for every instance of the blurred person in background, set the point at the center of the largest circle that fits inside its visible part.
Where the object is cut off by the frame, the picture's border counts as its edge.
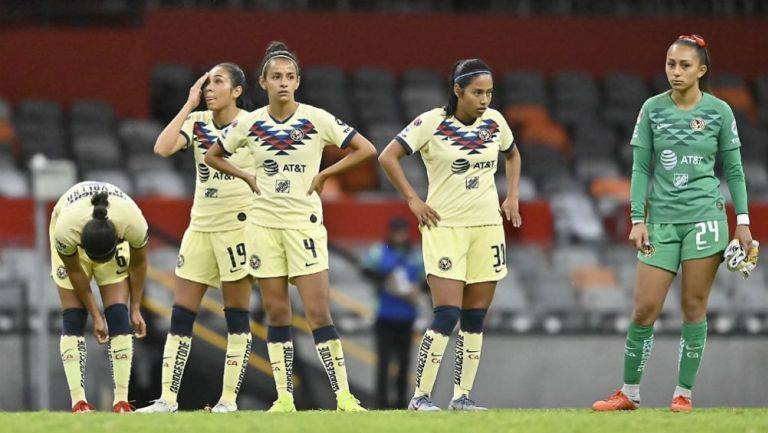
(461, 222)
(213, 251)
(289, 240)
(683, 222)
(98, 232)
(396, 269)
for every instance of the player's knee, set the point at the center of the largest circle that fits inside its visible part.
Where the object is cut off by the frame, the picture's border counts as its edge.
(73, 321)
(237, 320)
(318, 315)
(278, 313)
(182, 321)
(472, 320)
(694, 308)
(645, 314)
(445, 319)
(117, 319)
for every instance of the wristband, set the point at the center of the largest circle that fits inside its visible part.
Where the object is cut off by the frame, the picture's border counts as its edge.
(742, 219)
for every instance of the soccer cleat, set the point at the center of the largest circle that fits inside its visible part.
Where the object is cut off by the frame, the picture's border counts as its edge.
(346, 402)
(123, 407)
(82, 406)
(159, 406)
(283, 404)
(464, 403)
(422, 403)
(617, 401)
(681, 403)
(224, 407)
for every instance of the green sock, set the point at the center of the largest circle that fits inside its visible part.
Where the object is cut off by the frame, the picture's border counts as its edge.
(238, 353)
(72, 349)
(637, 349)
(121, 357)
(692, 344)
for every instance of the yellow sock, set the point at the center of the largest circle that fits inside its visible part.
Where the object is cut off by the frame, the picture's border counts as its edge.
(281, 358)
(332, 358)
(428, 364)
(468, 349)
(238, 352)
(175, 355)
(73, 354)
(121, 357)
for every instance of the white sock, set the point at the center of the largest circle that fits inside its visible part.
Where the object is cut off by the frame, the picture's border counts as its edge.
(631, 391)
(682, 391)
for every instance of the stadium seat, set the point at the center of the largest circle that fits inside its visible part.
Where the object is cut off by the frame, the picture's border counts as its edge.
(6, 112)
(169, 89)
(624, 95)
(138, 135)
(575, 98)
(37, 113)
(567, 259)
(91, 117)
(46, 139)
(97, 152)
(592, 140)
(575, 217)
(13, 183)
(524, 88)
(604, 300)
(590, 168)
(166, 183)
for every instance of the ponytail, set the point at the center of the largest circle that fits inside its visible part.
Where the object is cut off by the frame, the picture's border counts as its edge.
(99, 238)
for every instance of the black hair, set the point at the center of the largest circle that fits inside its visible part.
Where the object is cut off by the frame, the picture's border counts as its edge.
(700, 46)
(99, 238)
(278, 49)
(237, 78)
(463, 70)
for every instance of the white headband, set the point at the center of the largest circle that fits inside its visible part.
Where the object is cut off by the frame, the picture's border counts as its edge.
(280, 54)
(456, 80)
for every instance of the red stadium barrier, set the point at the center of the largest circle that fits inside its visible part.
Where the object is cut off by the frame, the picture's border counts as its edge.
(113, 64)
(347, 220)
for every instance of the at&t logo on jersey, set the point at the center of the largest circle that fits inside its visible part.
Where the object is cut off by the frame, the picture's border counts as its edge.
(460, 166)
(271, 167)
(668, 159)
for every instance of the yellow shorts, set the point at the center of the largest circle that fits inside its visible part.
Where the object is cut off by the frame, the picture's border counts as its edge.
(288, 252)
(211, 257)
(111, 272)
(470, 254)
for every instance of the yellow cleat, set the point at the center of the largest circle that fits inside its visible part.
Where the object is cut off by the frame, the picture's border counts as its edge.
(283, 404)
(346, 402)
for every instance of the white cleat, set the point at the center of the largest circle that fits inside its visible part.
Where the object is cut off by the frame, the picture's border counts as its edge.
(159, 406)
(422, 403)
(465, 403)
(223, 407)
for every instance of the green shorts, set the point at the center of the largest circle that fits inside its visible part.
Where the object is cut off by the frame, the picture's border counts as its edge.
(675, 243)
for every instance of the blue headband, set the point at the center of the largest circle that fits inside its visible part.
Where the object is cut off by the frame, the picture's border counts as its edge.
(456, 80)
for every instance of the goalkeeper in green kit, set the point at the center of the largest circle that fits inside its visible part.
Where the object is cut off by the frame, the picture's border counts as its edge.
(683, 222)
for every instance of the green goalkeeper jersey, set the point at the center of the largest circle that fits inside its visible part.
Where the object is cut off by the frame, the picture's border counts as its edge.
(683, 145)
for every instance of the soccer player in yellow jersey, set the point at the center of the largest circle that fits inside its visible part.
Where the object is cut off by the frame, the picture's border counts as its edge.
(213, 251)
(98, 232)
(289, 240)
(461, 222)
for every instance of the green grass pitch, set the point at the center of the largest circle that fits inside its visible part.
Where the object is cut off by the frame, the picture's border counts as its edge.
(495, 421)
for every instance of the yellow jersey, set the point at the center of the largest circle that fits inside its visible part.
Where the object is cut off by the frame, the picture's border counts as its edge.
(287, 157)
(74, 210)
(222, 202)
(461, 161)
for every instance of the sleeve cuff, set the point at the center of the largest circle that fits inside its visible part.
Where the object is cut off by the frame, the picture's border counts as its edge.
(508, 149)
(637, 221)
(186, 138)
(346, 141)
(405, 145)
(742, 219)
(227, 153)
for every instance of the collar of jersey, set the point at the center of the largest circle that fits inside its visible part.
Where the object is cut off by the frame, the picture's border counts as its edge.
(287, 118)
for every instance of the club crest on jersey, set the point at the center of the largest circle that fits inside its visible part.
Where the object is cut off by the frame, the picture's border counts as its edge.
(445, 264)
(61, 272)
(472, 141)
(282, 140)
(680, 180)
(255, 262)
(698, 124)
(204, 136)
